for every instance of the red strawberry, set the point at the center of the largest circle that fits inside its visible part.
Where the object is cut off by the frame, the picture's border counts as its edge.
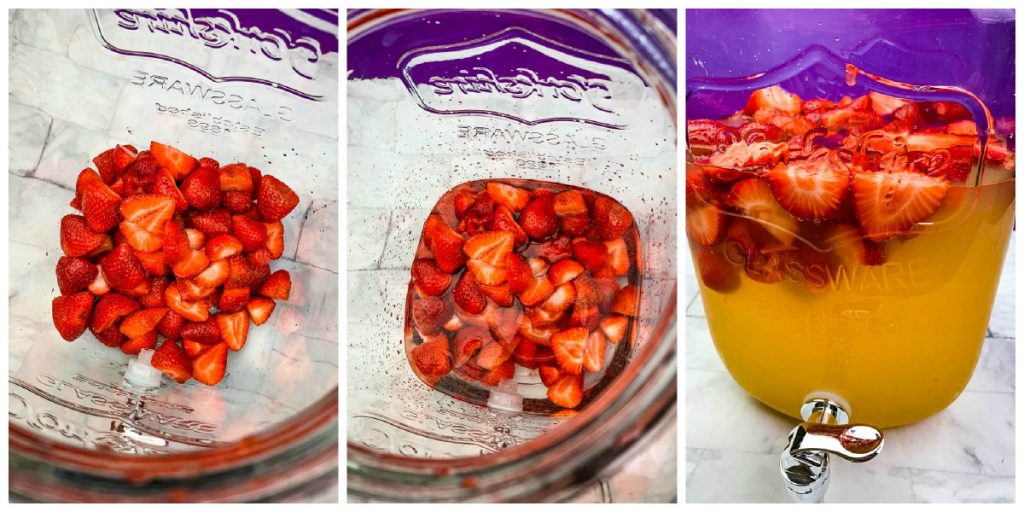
(191, 291)
(111, 337)
(252, 234)
(464, 199)
(549, 373)
(277, 286)
(511, 197)
(468, 342)
(478, 216)
(208, 367)
(753, 197)
(193, 348)
(810, 190)
(569, 203)
(104, 163)
(501, 294)
(121, 269)
(141, 321)
(236, 201)
(593, 255)
(193, 263)
(173, 160)
(773, 98)
(152, 262)
(212, 223)
(715, 271)
(275, 199)
(221, 246)
(163, 184)
(625, 301)
(98, 202)
(236, 178)
(611, 218)
(139, 239)
(561, 299)
(847, 242)
(260, 309)
(175, 243)
(110, 309)
(206, 332)
(468, 296)
(528, 354)
(889, 204)
(567, 391)
(71, 314)
(99, 285)
(197, 311)
(568, 346)
(259, 264)
(74, 274)
(504, 371)
(428, 277)
(555, 250)
(172, 360)
(538, 291)
(538, 219)
(135, 345)
(444, 243)
(563, 271)
(614, 328)
(275, 239)
(234, 329)
(705, 224)
(432, 358)
(149, 212)
(593, 354)
(239, 273)
(430, 314)
(504, 221)
(518, 273)
(575, 225)
(618, 256)
(233, 299)
(123, 156)
(485, 273)
(155, 296)
(586, 309)
(76, 239)
(201, 188)
(490, 247)
(492, 355)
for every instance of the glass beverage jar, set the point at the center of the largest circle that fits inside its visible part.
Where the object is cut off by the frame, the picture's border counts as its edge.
(441, 98)
(862, 244)
(254, 86)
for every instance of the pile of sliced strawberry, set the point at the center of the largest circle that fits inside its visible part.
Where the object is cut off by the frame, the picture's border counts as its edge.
(167, 245)
(794, 188)
(532, 274)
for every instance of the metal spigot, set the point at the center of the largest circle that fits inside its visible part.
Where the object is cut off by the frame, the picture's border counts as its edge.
(825, 431)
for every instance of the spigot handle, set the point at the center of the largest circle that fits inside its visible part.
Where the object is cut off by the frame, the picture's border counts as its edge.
(805, 462)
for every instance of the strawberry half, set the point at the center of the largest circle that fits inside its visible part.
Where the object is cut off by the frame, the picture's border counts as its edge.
(122, 269)
(850, 246)
(110, 309)
(504, 221)
(468, 295)
(444, 243)
(201, 188)
(566, 391)
(209, 366)
(705, 224)
(428, 277)
(538, 219)
(74, 274)
(98, 202)
(810, 189)
(490, 247)
(260, 309)
(513, 198)
(889, 204)
(172, 361)
(135, 345)
(221, 246)
(233, 329)
(236, 178)
(611, 218)
(76, 239)
(196, 311)
(277, 286)
(563, 271)
(753, 197)
(593, 353)
(149, 212)
(432, 358)
(141, 321)
(614, 327)
(275, 199)
(206, 332)
(430, 314)
(569, 346)
(71, 314)
(175, 161)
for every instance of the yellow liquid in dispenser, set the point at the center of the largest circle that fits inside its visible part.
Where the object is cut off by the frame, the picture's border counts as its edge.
(894, 343)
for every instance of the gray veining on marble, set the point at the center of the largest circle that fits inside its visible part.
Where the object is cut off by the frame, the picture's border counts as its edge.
(965, 453)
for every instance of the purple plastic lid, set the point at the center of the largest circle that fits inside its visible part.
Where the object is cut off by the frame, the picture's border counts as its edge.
(972, 49)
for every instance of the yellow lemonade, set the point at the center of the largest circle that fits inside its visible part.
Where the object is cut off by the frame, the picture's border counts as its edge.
(893, 341)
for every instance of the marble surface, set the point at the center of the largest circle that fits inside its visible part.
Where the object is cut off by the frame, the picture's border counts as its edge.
(965, 453)
(69, 100)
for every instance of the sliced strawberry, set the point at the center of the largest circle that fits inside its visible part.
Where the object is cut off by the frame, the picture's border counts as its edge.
(569, 203)
(142, 321)
(209, 366)
(810, 189)
(561, 299)
(618, 256)
(753, 197)
(111, 337)
(239, 274)
(237, 202)
(444, 243)
(163, 184)
(277, 286)
(252, 234)
(175, 243)
(221, 246)
(504, 221)
(206, 332)
(593, 255)
(71, 314)
(537, 334)
(715, 271)
(139, 239)
(890, 204)
(212, 223)
(98, 202)
(554, 250)
(175, 161)
(511, 197)
(538, 291)
(76, 239)
(468, 342)
(121, 269)
(99, 285)
(538, 219)
(851, 247)
(193, 348)
(611, 218)
(468, 296)
(233, 299)
(525, 353)
(568, 346)
(149, 212)
(201, 188)
(233, 328)
(197, 311)
(563, 271)
(191, 291)
(773, 98)
(518, 273)
(705, 224)
(193, 263)
(492, 355)
(259, 264)
(741, 154)
(152, 262)
(705, 135)
(614, 327)
(275, 199)
(172, 361)
(593, 353)
(110, 309)
(428, 277)
(135, 345)
(501, 294)
(567, 391)
(490, 247)
(236, 178)
(486, 274)
(432, 358)
(260, 309)
(123, 156)
(464, 199)
(74, 274)
(504, 371)
(275, 239)
(586, 309)
(154, 298)
(429, 314)
(625, 301)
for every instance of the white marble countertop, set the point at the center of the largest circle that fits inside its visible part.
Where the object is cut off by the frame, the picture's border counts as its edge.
(963, 454)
